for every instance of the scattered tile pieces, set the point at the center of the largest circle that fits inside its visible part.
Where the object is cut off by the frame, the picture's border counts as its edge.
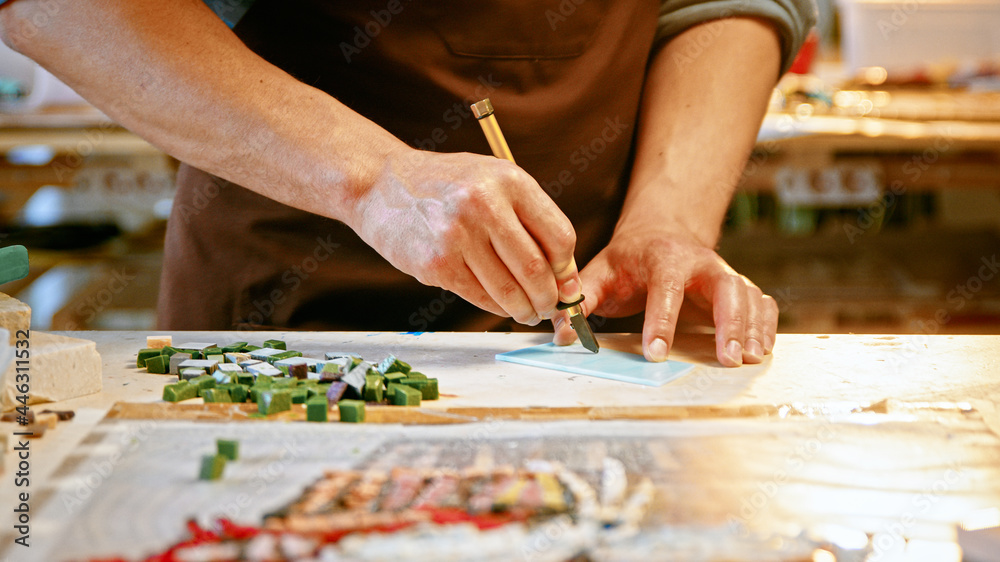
(228, 448)
(212, 467)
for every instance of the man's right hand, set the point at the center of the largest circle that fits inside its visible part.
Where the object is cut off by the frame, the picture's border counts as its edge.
(475, 225)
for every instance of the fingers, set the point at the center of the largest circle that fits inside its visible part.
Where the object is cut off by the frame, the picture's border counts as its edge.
(592, 277)
(502, 286)
(564, 332)
(469, 288)
(757, 325)
(729, 308)
(745, 320)
(528, 267)
(663, 304)
(554, 234)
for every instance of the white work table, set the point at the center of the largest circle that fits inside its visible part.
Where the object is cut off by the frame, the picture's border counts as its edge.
(858, 427)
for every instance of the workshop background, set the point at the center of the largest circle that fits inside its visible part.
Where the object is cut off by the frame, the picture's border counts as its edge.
(871, 203)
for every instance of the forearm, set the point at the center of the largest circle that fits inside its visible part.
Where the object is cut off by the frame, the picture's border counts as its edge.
(176, 75)
(705, 96)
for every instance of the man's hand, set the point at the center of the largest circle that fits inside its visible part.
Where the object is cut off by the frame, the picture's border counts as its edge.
(697, 123)
(658, 270)
(475, 225)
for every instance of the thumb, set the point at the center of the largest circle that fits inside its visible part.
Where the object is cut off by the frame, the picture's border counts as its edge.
(593, 293)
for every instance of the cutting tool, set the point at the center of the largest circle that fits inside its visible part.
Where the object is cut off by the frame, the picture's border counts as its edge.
(483, 110)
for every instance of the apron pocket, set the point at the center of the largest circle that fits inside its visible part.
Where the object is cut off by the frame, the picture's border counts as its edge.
(531, 29)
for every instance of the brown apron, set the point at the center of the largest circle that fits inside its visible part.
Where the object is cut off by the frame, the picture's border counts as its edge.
(564, 75)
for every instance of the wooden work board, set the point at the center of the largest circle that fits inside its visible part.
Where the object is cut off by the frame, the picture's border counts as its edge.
(834, 432)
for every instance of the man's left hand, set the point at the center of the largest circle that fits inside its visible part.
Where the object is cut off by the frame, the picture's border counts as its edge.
(658, 270)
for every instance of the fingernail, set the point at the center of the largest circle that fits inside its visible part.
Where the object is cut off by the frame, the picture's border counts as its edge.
(754, 349)
(734, 351)
(657, 350)
(570, 290)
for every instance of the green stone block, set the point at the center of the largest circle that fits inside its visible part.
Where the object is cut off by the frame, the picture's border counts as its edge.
(254, 392)
(249, 348)
(212, 351)
(374, 388)
(212, 467)
(215, 395)
(406, 396)
(317, 409)
(237, 392)
(140, 360)
(416, 375)
(179, 391)
(284, 382)
(159, 365)
(283, 355)
(275, 344)
(351, 411)
(273, 401)
(394, 377)
(299, 395)
(244, 378)
(428, 387)
(236, 347)
(228, 448)
(194, 353)
(392, 365)
(168, 350)
(216, 357)
(266, 380)
(204, 382)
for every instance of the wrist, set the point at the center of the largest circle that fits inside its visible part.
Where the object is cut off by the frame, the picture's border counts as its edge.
(656, 206)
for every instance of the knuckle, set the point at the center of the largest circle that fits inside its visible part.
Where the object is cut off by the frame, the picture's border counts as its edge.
(565, 237)
(509, 290)
(536, 268)
(736, 323)
(769, 304)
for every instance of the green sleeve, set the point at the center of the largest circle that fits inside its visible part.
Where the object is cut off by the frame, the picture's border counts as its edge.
(792, 19)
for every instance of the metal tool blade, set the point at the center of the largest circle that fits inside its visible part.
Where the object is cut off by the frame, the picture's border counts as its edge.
(584, 332)
(580, 324)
